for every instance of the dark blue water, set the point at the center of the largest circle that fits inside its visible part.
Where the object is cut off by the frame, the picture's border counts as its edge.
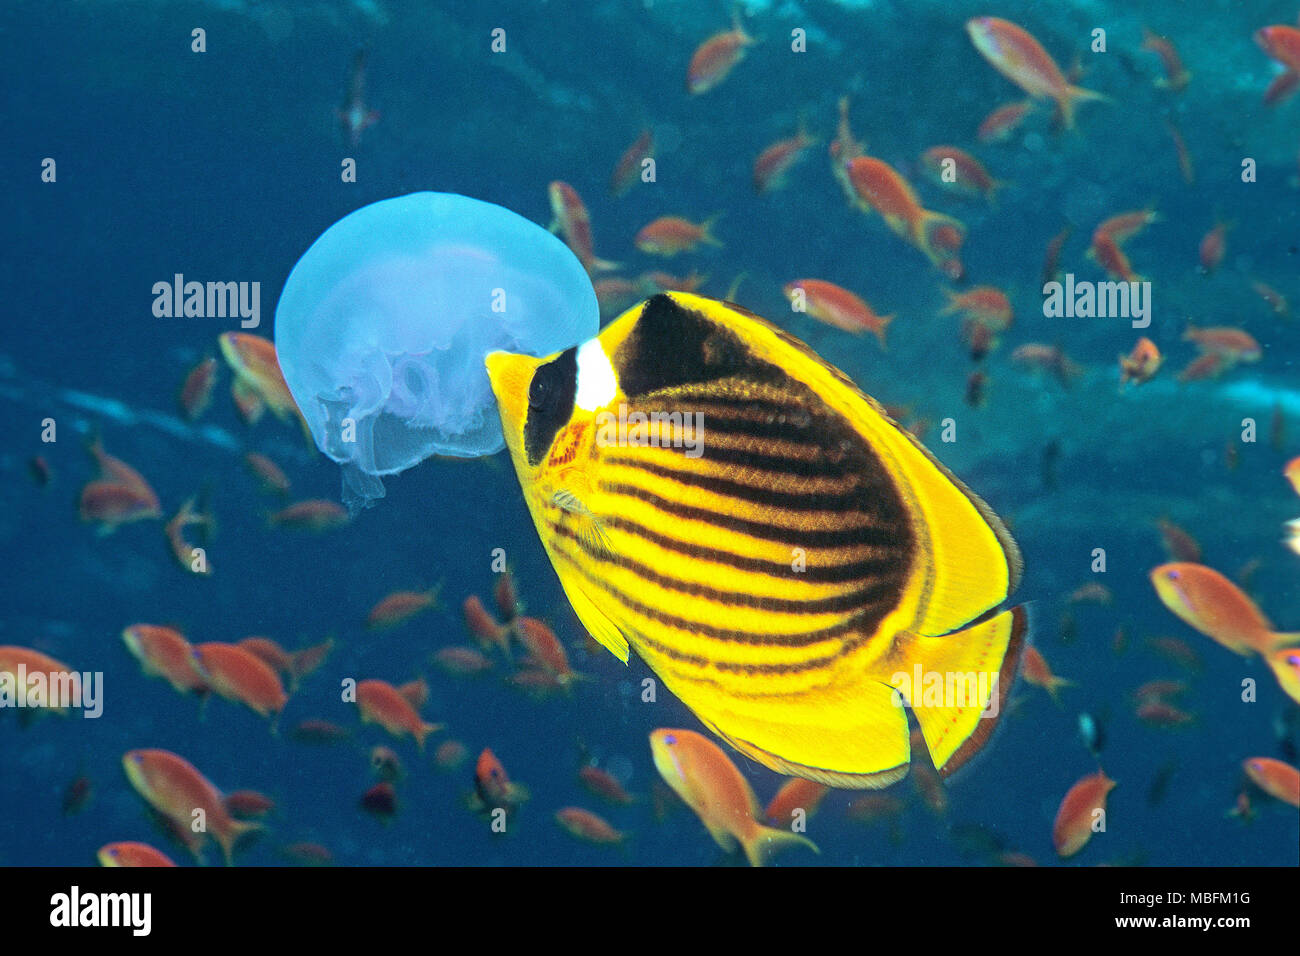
(225, 165)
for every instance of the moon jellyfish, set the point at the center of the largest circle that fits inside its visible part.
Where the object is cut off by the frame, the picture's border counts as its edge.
(384, 322)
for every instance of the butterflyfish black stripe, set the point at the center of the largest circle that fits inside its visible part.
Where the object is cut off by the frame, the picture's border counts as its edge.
(821, 569)
(851, 499)
(792, 536)
(860, 626)
(868, 596)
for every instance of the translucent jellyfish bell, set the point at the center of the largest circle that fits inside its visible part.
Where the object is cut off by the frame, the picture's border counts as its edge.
(384, 322)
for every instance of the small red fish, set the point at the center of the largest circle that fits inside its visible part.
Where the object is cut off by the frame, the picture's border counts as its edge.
(1082, 810)
(354, 116)
(776, 161)
(1020, 58)
(627, 172)
(400, 606)
(836, 306)
(715, 58)
(314, 514)
(196, 391)
(1003, 121)
(1213, 247)
(1176, 76)
(670, 235)
(588, 827)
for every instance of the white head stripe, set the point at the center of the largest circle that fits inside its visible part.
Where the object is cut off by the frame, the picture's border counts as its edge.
(597, 383)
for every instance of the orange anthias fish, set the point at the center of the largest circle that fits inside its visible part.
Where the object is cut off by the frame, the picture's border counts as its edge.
(1052, 254)
(1274, 299)
(1185, 165)
(241, 677)
(588, 827)
(486, 629)
(1020, 58)
(461, 661)
(603, 785)
(119, 494)
(985, 304)
(15, 661)
(1141, 364)
(1003, 121)
(1282, 43)
(1213, 247)
(354, 117)
(493, 785)
(1036, 671)
(314, 514)
(257, 370)
(795, 794)
(1126, 225)
(173, 787)
(503, 592)
(294, 665)
(878, 187)
(670, 235)
(773, 163)
(381, 703)
(196, 391)
(1108, 254)
(836, 306)
(271, 475)
(1230, 343)
(1176, 76)
(1291, 471)
(130, 854)
(1049, 358)
(957, 171)
(545, 649)
(1216, 607)
(570, 219)
(1083, 807)
(627, 172)
(1277, 779)
(715, 57)
(1285, 665)
(400, 606)
(709, 783)
(183, 551)
(1209, 365)
(164, 652)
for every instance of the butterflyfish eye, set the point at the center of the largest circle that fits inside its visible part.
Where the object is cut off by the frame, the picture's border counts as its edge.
(540, 391)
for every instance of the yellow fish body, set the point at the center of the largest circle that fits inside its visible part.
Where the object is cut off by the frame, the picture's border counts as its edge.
(782, 555)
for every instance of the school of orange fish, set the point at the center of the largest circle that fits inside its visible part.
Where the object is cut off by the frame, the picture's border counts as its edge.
(260, 674)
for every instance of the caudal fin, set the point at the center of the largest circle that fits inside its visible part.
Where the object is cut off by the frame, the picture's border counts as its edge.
(765, 841)
(977, 666)
(1073, 95)
(232, 834)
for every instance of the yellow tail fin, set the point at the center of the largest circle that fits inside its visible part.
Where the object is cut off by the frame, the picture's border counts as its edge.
(976, 666)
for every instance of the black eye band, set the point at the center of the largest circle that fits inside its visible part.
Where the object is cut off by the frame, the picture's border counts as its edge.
(551, 394)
